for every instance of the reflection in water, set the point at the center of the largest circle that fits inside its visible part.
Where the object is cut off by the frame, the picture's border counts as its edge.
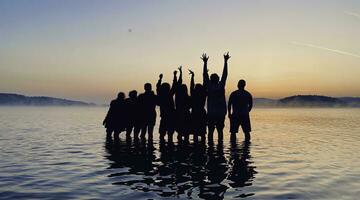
(181, 169)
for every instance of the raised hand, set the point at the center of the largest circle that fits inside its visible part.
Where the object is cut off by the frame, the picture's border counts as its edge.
(180, 69)
(191, 72)
(204, 57)
(226, 56)
(160, 76)
(175, 72)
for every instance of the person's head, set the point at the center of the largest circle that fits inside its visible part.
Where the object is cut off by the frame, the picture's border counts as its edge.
(183, 89)
(165, 88)
(214, 78)
(241, 84)
(133, 94)
(121, 96)
(147, 87)
(199, 89)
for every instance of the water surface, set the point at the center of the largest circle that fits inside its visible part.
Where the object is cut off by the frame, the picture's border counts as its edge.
(62, 153)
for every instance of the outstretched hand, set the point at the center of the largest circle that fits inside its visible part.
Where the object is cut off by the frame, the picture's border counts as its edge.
(204, 57)
(191, 72)
(226, 56)
(161, 76)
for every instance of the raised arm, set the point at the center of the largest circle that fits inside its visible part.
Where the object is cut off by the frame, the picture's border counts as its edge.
(174, 83)
(205, 58)
(225, 70)
(180, 76)
(158, 84)
(192, 82)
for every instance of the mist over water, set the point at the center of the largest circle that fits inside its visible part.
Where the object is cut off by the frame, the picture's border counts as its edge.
(62, 153)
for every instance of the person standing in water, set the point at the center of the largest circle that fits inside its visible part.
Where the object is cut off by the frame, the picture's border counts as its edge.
(147, 113)
(239, 107)
(198, 112)
(115, 117)
(216, 103)
(165, 100)
(132, 109)
(182, 102)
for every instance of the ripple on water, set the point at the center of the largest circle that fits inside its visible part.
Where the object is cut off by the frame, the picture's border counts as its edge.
(294, 154)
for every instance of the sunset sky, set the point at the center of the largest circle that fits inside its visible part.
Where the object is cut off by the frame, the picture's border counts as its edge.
(89, 50)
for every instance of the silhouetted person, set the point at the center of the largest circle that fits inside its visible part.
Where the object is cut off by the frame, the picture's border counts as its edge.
(198, 112)
(132, 108)
(147, 114)
(216, 103)
(240, 105)
(165, 100)
(182, 102)
(115, 118)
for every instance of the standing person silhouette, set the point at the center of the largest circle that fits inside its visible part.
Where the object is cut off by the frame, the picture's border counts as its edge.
(182, 102)
(198, 112)
(165, 101)
(216, 103)
(241, 102)
(115, 117)
(147, 114)
(132, 114)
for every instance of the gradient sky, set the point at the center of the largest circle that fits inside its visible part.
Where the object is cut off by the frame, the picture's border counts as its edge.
(85, 50)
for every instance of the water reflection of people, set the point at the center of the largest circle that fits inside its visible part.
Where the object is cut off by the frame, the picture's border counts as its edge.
(241, 172)
(138, 157)
(182, 169)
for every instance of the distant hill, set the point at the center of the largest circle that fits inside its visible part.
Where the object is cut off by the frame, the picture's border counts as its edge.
(7, 99)
(265, 102)
(312, 101)
(308, 101)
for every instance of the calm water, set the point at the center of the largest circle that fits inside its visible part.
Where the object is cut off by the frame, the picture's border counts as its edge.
(61, 153)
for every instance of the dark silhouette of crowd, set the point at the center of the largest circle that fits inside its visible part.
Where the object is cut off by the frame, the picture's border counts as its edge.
(182, 111)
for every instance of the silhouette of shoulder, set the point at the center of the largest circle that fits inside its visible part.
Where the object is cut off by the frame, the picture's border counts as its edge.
(240, 94)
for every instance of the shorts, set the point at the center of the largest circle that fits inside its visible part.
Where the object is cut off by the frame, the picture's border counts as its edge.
(243, 120)
(216, 121)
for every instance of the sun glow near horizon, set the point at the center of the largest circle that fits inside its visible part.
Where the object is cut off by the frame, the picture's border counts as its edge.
(84, 49)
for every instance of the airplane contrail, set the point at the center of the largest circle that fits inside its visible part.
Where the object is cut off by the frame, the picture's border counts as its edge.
(326, 48)
(352, 14)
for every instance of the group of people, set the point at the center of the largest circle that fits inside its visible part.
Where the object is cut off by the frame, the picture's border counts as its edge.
(180, 111)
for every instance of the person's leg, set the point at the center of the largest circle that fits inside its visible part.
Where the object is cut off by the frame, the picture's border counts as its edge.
(186, 137)
(179, 136)
(109, 132)
(128, 131)
(234, 126)
(162, 130)
(116, 134)
(170, 136)
(211, 127)
(246, 126)
(196, 137)
(150, 132)
(247, 136)
(220, 127)
(136, 132)
(143, 131)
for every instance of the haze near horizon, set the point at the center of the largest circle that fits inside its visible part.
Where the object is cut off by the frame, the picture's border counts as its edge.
(90, 50)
